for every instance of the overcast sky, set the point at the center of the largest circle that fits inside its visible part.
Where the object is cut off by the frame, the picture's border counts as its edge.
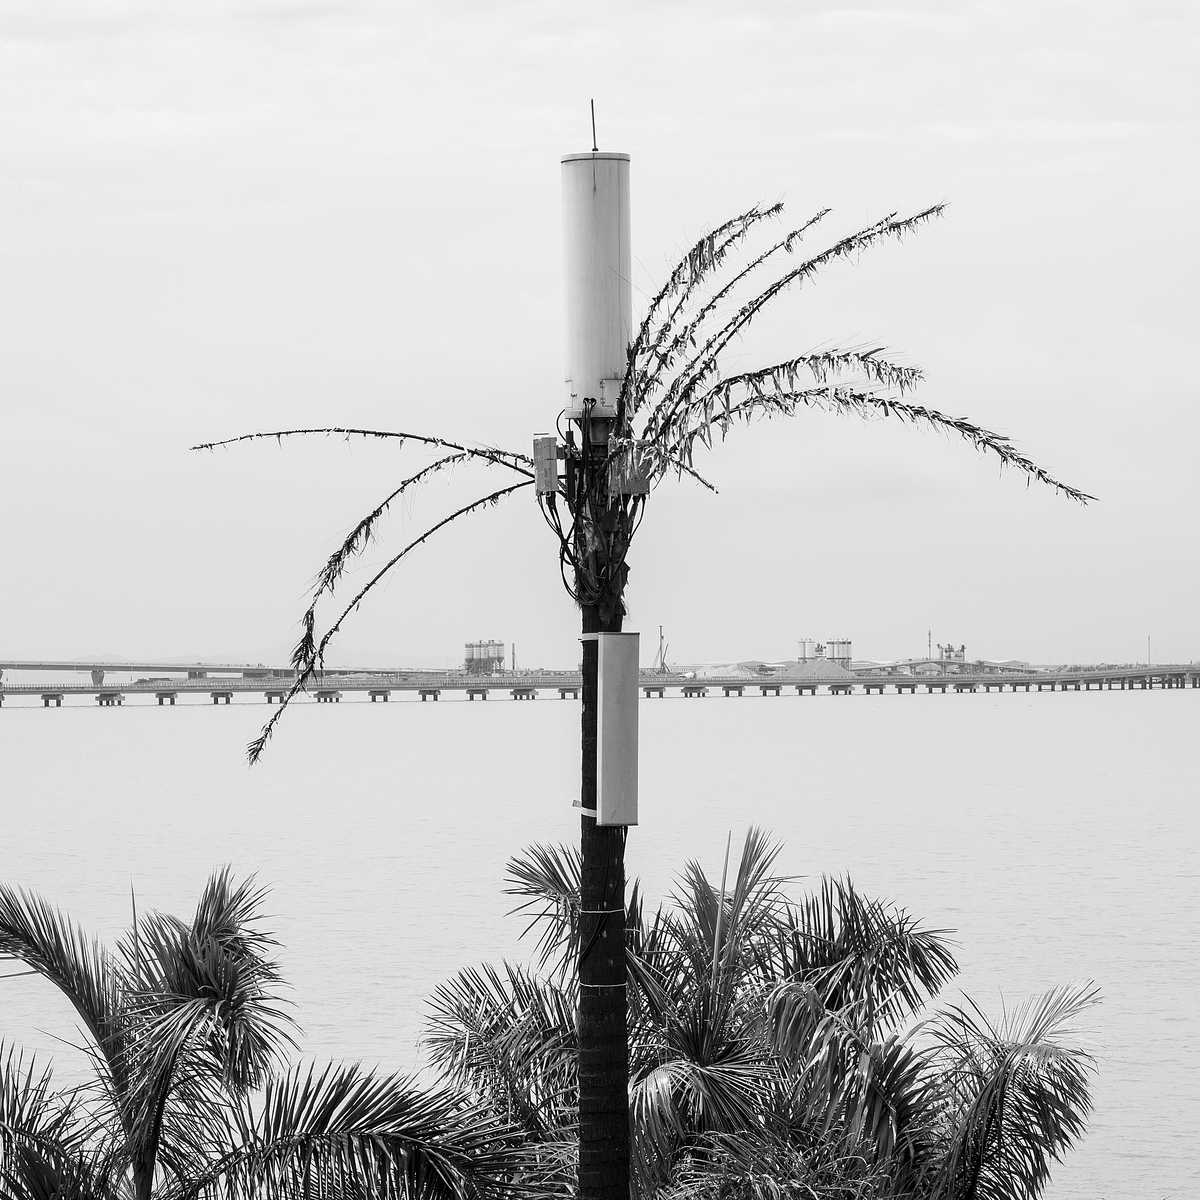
(221, 217)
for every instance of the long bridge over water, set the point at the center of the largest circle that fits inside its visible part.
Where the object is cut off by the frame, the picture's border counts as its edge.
(220, 683)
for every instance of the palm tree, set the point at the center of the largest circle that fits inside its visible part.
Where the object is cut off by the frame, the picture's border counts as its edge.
(674, 399)
(775, 1045)
(189, 1097)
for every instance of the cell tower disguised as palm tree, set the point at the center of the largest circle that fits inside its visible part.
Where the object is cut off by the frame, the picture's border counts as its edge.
(644, 406)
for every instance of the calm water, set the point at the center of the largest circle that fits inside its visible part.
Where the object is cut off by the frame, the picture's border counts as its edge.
(1056, 833)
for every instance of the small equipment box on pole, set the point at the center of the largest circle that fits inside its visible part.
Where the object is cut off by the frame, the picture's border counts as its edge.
(617, 729)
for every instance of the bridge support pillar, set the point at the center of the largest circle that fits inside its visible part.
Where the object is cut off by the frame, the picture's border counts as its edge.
(49, 698)
(165, 698)
(97, 676)
(653, 691)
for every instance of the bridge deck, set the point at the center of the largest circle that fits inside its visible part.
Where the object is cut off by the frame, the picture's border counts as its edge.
(564, 682)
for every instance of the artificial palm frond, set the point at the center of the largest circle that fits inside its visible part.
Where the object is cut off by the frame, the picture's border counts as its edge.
(685, 338)
(509, 458)
(357, 540)
(656, 328)
(716, 413)
(702, 365)
(308, 657)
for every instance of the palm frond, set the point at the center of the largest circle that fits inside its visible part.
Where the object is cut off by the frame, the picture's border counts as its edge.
(345, 1131)
(705, 256)
(308, 657)
(851, 400)
(686, 337)
(509, 1038)
(32, 1112)
(1017, 1098)
(546, 879)
(508, 458)
(357, 540)
(703, 364)
(39, 935)
(860, 954)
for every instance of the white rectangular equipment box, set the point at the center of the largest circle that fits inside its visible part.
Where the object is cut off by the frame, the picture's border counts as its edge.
(617, 729)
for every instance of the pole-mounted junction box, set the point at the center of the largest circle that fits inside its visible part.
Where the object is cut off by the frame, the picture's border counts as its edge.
(545, 464)
(617, 729)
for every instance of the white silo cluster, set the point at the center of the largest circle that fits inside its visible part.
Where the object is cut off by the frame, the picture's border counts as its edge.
(484, 658)
(838, 650)
(835, 650)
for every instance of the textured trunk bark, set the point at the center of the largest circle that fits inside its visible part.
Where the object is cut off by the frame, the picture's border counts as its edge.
(603, 1050)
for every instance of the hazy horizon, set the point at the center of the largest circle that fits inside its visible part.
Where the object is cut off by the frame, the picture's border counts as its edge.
(218, 218)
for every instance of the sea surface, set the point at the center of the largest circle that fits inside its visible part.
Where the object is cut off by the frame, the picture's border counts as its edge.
(1056, 833)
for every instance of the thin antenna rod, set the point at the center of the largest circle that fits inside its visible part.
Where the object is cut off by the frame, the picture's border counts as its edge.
(594, 146)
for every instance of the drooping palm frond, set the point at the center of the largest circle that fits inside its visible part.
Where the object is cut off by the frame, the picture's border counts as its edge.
(1018, 1095)
(342, 1131)
(357, 540)
(715, 413)
(308, 657)
(39, 935)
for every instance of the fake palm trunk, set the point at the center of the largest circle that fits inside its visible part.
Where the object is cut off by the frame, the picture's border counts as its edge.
(603, 1051)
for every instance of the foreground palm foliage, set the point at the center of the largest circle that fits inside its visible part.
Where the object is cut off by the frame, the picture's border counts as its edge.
(776, 1046)
(189, 1098)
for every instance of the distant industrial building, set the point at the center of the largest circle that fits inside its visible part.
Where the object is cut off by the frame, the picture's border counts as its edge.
(484, 658)
(834, 650)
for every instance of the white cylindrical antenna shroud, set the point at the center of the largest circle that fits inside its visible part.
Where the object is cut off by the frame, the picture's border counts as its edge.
(599, 296)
